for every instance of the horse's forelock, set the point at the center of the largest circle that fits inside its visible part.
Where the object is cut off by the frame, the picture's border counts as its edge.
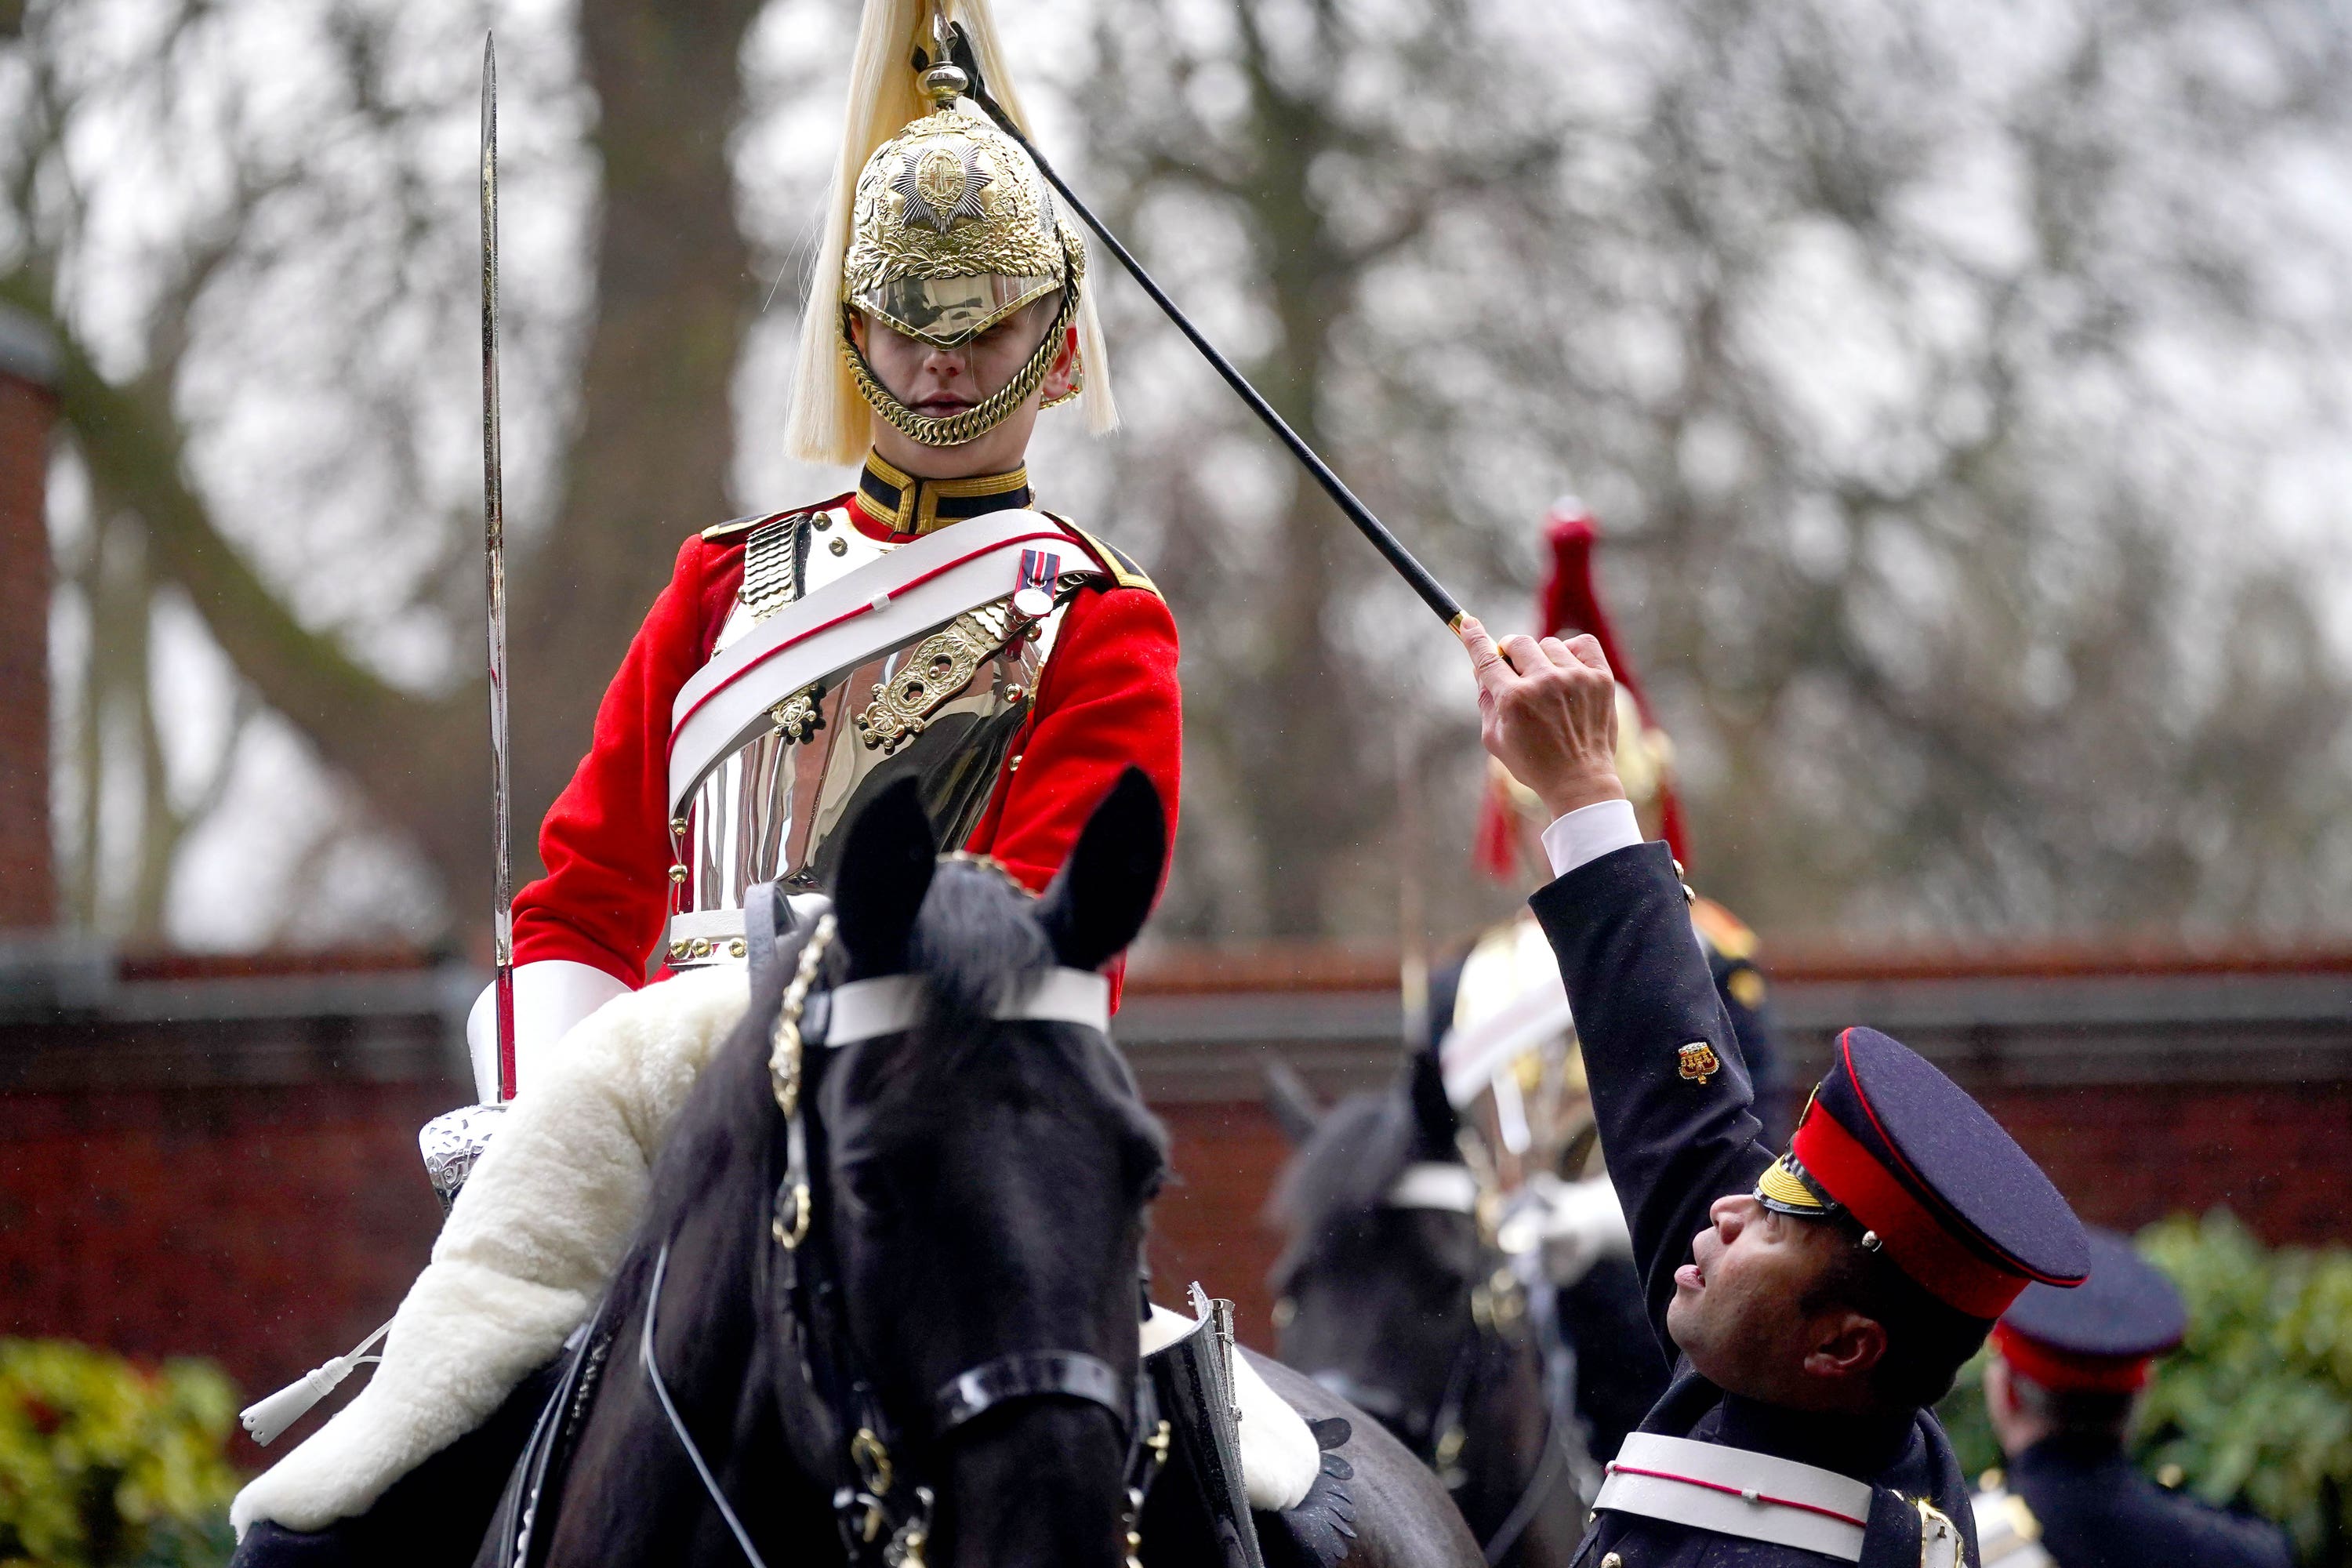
(976, 941)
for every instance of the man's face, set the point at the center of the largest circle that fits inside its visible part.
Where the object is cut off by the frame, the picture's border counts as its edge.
(943, 382)
(1739, 1312)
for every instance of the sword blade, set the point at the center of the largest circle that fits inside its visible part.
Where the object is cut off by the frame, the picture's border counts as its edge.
(494, 556)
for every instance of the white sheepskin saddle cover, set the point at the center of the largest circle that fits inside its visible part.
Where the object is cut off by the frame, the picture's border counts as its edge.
(537, 1231)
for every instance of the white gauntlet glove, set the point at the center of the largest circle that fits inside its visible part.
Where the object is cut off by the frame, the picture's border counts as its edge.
(550, 996)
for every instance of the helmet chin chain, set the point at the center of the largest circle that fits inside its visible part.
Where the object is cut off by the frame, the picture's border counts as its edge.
(957, 429)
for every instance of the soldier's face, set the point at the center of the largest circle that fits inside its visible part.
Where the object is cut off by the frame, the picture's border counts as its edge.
(1744, 1311)
(940, 383)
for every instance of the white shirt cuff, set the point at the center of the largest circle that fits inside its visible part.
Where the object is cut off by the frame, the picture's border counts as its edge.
(1589, 832)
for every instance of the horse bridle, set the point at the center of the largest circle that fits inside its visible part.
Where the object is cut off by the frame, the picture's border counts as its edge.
(1496, 1297)
(883, 1517)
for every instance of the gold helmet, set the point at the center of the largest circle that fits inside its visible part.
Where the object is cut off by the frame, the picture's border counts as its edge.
(939, 230)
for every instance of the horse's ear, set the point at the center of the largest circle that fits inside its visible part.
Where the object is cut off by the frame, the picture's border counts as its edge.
(1434, 1118)
(1292, 1103)
(886, 864)
(1097, 904)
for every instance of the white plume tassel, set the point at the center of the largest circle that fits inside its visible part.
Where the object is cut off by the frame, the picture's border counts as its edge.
(267, 1418)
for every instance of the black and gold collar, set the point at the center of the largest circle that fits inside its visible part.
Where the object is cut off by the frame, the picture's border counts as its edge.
(906, 504)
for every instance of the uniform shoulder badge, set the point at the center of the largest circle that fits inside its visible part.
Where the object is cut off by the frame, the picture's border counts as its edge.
(1697, 1062)
(1121, 566)
(735, 530)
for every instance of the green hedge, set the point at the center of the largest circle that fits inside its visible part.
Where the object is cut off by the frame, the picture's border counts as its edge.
(105, 1462)
(2255, 1410)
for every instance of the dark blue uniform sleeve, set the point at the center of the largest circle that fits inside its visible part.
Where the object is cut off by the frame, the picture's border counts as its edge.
(1621, 928)
(1751, 1025)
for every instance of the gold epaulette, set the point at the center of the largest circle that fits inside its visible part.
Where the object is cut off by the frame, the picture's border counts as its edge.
(728, 532)
(1123, 569)
(1724, 930)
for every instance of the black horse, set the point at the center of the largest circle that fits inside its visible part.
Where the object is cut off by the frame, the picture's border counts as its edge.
(1393, 1293)
(884, 1304)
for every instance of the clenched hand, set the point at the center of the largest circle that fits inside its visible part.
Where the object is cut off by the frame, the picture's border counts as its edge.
(1548, 710)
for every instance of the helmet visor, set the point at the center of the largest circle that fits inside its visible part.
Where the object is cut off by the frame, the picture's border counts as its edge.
(949, 311)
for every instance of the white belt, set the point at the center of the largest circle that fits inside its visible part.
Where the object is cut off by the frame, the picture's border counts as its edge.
(1736, 1491)
(882, 605)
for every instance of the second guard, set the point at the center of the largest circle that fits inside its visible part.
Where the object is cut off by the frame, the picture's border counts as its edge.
(1819, 1303)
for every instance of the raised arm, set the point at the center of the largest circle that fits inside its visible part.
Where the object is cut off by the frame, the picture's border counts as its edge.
(1669, 1089)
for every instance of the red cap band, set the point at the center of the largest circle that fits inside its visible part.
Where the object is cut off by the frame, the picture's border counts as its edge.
(1921, 1246)
(2064, 1371)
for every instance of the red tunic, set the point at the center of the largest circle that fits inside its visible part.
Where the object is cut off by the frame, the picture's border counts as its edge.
(1108, 697)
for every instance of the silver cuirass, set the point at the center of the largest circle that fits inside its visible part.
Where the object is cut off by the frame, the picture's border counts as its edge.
(942, 707)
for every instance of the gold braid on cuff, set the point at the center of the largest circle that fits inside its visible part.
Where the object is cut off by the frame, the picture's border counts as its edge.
(990, 411)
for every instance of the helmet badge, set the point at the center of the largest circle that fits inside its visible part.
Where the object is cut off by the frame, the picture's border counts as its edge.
(941, 187)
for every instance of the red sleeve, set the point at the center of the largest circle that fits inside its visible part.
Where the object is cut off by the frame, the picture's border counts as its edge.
(1108, 698)
(605, 842)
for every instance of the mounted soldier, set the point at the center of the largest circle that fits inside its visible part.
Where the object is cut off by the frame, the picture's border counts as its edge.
(930, 623)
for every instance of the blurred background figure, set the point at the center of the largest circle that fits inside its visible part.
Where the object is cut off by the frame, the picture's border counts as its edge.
(1403, 1290)
(2061, 1389)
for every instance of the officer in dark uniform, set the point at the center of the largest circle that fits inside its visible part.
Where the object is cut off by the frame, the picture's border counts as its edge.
(1820, 1303)
(2061, 1394)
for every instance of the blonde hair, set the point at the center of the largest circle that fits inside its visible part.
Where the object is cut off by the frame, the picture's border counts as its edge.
(829, 420)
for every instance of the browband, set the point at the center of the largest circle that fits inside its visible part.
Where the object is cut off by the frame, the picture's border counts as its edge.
(864, 1009)
(1433, 1185)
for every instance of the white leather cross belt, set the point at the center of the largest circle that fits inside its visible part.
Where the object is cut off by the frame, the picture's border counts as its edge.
(882, 605)
(1736, 1491)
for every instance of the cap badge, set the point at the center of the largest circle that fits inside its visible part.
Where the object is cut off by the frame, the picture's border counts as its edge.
(941, 187)
(1698, 1061)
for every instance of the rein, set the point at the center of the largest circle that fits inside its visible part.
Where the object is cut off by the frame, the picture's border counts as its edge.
(882, 1521)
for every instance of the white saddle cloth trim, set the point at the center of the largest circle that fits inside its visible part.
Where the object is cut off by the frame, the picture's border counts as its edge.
(1432, 1184)
(866, 1008)
(1280, 1457)
(550, 996)
(1738, 1492)
(881, 605)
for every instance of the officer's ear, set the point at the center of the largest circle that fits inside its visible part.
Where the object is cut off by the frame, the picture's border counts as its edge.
(1097, 904)
(1847, 1346)
(887, 863)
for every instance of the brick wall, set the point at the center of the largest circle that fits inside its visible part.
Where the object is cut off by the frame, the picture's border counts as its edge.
(267, 1226)
(2277, 1155)
(179, 1177)
(27, 882)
